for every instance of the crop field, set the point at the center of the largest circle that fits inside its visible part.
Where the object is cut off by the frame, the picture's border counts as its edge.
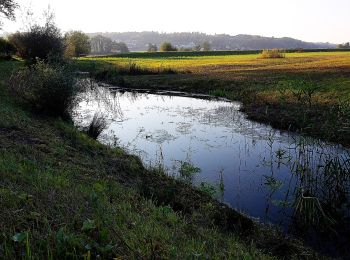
(329, 61)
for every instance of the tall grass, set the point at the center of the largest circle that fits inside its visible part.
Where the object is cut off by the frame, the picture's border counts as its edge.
(97, 125)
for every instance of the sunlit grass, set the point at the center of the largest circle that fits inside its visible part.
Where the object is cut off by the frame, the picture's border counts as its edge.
(239, 63)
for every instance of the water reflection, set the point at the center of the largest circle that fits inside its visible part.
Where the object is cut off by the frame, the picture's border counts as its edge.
(277, 177)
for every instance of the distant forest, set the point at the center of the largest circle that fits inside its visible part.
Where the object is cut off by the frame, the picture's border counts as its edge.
(140, 41)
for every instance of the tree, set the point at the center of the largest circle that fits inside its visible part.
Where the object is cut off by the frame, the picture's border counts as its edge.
(77, 43)
(206, 46)
(120, 47)
(7, 9)
(197, 47)
(152, 47)
(344, 46)
(166, 46)
(43, 42)
(6, 49)
(101, 45)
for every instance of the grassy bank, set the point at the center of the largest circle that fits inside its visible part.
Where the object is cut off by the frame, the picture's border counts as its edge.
(64, 195)
(307, 92)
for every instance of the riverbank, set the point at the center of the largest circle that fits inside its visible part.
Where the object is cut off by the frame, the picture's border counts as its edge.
(66, 195)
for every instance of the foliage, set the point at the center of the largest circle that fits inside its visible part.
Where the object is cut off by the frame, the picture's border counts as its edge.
(6, 49)
(101, 45)
(51, 45)
(222, 42)
(7, 9)
(166, 46)
(187, 170)
(206, 46)
(272, 54)
(46, 88)
(119, 47)
(344, 46)
(77, 43)
(208, 189)
(152, 47)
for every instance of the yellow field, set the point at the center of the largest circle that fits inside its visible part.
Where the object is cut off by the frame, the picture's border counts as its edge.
(241, 64)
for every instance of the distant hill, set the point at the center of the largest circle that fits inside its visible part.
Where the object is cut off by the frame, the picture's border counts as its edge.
(138, 41)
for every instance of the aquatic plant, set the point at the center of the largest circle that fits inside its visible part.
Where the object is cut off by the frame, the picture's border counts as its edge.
(97, 125)
(187, 170)
(208, 188)
(309, 212)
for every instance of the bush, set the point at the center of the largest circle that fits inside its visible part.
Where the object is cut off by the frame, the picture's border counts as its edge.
(152, 47)
(43, 42)
(166, 46)
(49, 89)
(272, 54)
(6, 49)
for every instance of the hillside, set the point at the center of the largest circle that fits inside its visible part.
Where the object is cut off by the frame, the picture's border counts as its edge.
(138, 41)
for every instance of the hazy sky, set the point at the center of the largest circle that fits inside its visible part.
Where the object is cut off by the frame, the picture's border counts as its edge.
(310, 20)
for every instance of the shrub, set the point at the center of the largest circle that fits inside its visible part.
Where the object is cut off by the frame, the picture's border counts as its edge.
(46, 88)
(166, 46)
(272, 54)
(152, 47)
(6, 49)
(43, 42)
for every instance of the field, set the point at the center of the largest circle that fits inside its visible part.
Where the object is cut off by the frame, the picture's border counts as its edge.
(307, 92)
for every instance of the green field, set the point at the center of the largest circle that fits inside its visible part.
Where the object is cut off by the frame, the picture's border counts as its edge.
(307, 92)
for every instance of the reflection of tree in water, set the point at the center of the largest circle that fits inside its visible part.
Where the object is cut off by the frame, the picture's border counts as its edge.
(96, 99)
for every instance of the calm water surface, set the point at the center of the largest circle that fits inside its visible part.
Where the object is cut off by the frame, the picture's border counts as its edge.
(257, 170)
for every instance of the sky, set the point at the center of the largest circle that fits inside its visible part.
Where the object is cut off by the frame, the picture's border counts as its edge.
(308, 20)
